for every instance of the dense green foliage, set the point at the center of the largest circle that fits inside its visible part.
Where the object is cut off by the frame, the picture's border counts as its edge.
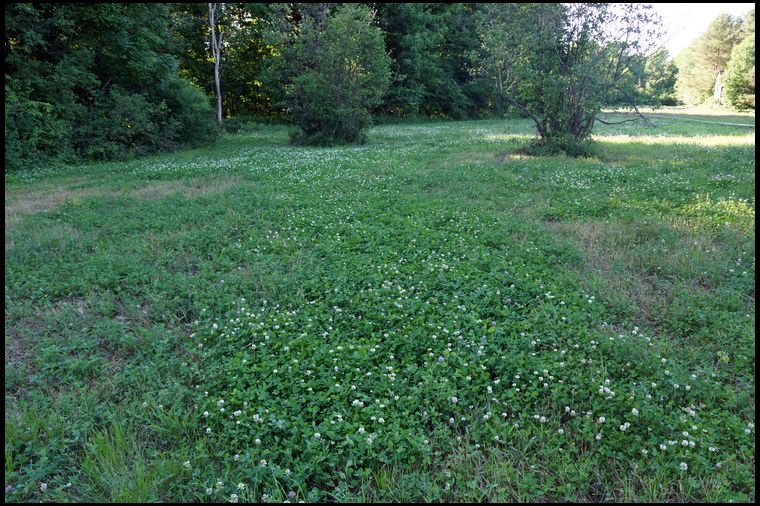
(95, 81)
(740, 72)
(699, 64)
(475, 303)
(658, 81)
(333, 69)
(112, 81)
(243, 59)
(559, 64)
(431, 46)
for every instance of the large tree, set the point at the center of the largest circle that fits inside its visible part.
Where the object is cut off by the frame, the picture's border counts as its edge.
(217, 37)
(560, 63)
(701, 62)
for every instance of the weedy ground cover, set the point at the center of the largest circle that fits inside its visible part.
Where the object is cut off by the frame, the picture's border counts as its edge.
(429, 316)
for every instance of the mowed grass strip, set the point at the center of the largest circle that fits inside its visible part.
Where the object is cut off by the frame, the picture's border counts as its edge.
(430, 316)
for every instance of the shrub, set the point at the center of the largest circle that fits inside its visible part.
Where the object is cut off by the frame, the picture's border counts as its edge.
(32, 133)
(190, 110)
(91, 95)
(336, 70)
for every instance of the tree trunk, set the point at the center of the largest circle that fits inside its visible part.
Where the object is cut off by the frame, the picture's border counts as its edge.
(216, 51)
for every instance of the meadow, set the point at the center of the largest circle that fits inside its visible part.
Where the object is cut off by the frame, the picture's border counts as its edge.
(431, 316)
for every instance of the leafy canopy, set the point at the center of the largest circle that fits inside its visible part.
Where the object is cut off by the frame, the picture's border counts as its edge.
(333, 69)
(560, 63)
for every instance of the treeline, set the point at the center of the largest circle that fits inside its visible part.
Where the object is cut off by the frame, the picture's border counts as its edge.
(112, 81)
(96, 81)
(435, 52)
(726, 48)
(431, 49)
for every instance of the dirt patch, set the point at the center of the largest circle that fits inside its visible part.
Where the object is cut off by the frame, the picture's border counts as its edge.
(591, 235)
(22, 203)
(190, 188)
(600, 244)
(15, 349)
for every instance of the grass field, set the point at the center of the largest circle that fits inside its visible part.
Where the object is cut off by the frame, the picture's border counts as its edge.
(426, 317)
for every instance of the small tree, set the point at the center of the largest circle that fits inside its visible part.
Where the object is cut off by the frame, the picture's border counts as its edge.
(216, 52)
(334, 69)
(560, 63)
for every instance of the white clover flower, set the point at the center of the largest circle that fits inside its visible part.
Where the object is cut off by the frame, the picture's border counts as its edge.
(241, 486)
(602, 419)
(635, 412)
(454, 400)
(209, 491)
(236, 457)
(186, 464)
(263, 463)
(233, 498)
(598, 436)
(663, 447)
(317, 435)
(683, 466)
(43, 486)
